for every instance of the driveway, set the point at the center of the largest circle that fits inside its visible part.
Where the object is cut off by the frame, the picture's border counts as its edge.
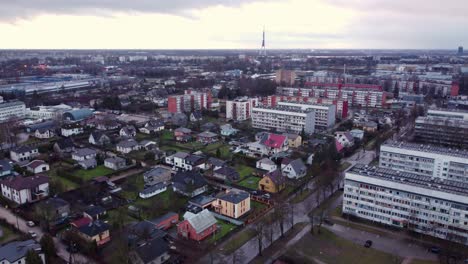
(23, 227)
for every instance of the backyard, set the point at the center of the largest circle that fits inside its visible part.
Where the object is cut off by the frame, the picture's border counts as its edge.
(250, 182)
(224, 229)
(93, 173)
(244, 171)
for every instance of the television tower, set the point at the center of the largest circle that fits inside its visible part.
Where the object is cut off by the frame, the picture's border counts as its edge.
(263, 48)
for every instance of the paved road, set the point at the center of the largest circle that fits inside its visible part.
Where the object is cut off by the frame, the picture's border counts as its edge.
(61, 248)
(393, 245)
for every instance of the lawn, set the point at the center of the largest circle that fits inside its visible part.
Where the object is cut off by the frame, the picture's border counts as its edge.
(8, 234)
(343, 166)
(224, 229)
(301, 196)
(237, 241)
(192, 146)
(141, 136)
(257, 205)
(212, 147)
(250, 182)
(329, 248)
(167, 135)
(244, 171)
(94, 173)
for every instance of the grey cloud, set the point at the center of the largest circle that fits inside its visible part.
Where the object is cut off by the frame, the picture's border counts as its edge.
(11, 10)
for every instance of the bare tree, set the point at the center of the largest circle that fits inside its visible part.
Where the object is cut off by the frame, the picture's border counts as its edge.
(238, 256)
(259, 229)
(291, 214)
(280, 215)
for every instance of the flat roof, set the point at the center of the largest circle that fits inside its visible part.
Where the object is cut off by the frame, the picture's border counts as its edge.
(427, 148)
(283, 108)
(426, 182)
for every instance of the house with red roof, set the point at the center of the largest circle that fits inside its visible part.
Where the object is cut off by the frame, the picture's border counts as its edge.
(267, 144)
(23, 190)
(197, 226)
(37, 166)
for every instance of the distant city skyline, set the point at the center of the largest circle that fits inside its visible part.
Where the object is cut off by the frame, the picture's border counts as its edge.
(218, 24)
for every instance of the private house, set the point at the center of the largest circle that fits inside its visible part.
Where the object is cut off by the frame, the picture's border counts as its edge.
(155, 251)
(87, 164)
(357, 134)
(370, 126)
(293, 169)
(6, 169)
(226, 173)
(207, 137)
(266, 164)
(140, 232)
(214, 163)
(148, 144)
(127, 146)
(202, 202)
(107, 125)
(185, 161)
(196, 116)
(157, 175)
(183, 134)
(23, 190)
(72, 129)
(209, 127)
(294, 140)
(43, 130)
(59, 207)
(197, 226)
(232, 204)
(84, 154)
(227, 130)
(64, 146)
(150, 191)
(94, 212)
(98, 138)
(15, 252)
(95, 231)
(128, 131)
(166, 221)
(37, 166)
(152, 127)
(272, 182)
(115, 163)
(23, 153)
(45, 133)
(267, 144)
(344, 138)
(189, 183)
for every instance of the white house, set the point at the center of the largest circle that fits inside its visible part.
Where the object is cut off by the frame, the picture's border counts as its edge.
(128, 146)
(22, 190)
(84, 154)
(116, 163)
(73, 129)
(23, 153)
(127, 131)
(37, 166)
(153, 190)
(15, 252)
(344, 138)
(266, 164)
(185, 161)
(293, 169)
(44, 133)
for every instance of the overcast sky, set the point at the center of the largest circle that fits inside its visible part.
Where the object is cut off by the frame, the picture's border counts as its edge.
(237, 24)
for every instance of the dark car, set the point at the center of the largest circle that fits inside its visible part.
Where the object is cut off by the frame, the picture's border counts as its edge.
(435, 250)
(368, 244)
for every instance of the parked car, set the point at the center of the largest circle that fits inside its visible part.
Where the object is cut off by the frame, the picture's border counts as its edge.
(32, 234)
(435, 250)
(368, 244)
(266, 196)
(30, 223)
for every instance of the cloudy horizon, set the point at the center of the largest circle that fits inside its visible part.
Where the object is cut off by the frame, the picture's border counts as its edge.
(218, 24)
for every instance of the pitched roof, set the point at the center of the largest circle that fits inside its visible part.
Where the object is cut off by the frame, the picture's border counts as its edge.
(298, 166)
(153, 188)
(229, 172)
(163, 218)
(81, 222)
(94, 228)
(94, 210)
(129, 143)
(97, 135)
(276, 177)
(21, 183)
(16, 250)
(5, 165)
(267, 161)
(207, 134)
(216, 162)
(23, 149)
(183, 130)
(65, 143)
(152, 250)
(200, 221)
(35, 163)
(182, 180)
(114, 160)
(273, 140)
(84, 152)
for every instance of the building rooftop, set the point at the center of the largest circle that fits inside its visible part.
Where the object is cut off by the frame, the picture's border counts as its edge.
(459, 188)
(461, 153)
(16, 250)
(234, 197)
(442, 121)
(283, 108)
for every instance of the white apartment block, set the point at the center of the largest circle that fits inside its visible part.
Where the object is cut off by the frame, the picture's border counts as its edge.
(11, 109)
(422, 204)
(325, 115)
(240, 109)
(452, 114)
(283, 119)
(428, 160)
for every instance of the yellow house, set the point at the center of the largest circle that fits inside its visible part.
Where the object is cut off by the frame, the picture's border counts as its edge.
(232, 204)
(96, 231)
(272, 182)
(294, 141)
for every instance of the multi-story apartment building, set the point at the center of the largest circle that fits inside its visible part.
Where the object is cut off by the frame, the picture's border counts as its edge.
(287, 77)
(341, 105)
(284, 119)
(442, 131)
(357, 96)
(189, 102)
(324, 114)
(448, 113)
(240, 109)
(428, 160)
(11, 109)
(419, 203)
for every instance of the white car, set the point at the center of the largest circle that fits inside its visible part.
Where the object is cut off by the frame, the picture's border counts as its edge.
(32, 234)
(30, 223)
